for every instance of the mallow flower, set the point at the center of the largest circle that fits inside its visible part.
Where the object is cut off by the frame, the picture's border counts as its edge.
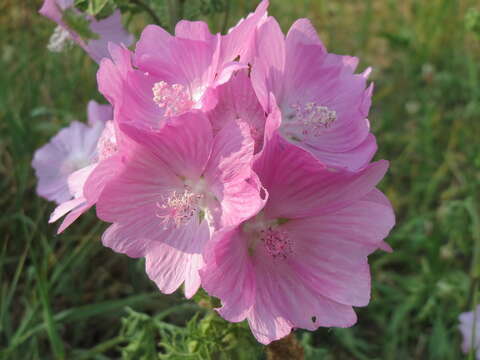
(87, 183)
(470, 322)
(91, 34)
(73, 148)
(324, 105)
(169, 75)
(300, 262)
(179, 186)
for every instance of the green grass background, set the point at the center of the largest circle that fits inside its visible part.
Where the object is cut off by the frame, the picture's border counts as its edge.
(66, 296)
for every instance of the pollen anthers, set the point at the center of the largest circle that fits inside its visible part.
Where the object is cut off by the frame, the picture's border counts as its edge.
(308, 120)
(179, 208)
(275, 240)
(107, 143)
(175, 99)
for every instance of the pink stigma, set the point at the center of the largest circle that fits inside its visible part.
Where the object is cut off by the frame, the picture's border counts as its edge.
(107, 144)
(175, 99)
(309, 120)
(276, 242)
(179, 208)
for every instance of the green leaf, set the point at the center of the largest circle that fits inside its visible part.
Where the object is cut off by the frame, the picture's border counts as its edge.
(78, 23)
(96, 6)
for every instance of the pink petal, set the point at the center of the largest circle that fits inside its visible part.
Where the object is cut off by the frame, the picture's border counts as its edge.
(113, 72)
(193, 30)
(237, 100)
(331, 250)
(64, 208)
(266, 324)
(229, 275)
(117, 239)
(175, 60)
(73, 215)
(305, 54)
(239, 200)
(269, 63)
(352, 159)
(184, 144)
(170, 266)
(240, 39)
(101, 175)
(283, 302)
(77, 180)
(300, 186)
(133, 194)
(303, 32)
(138, 107)
(232, 154)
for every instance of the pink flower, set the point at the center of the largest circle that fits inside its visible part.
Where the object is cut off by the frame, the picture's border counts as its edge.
(71, 149)
(301, 262)
(171, 75)
(469, 321)
(324, 104)
(174, 191)
(103, 31)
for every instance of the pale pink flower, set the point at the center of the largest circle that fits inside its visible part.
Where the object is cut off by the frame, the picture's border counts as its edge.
(469, 322)
(170, 75)
(324, 104)
(174, 191)
(87, 183)
(301, 262)
(106, 30)
(73, 148)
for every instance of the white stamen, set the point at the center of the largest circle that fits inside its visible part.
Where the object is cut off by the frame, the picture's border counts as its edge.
(307, 120)
(175, 99)
(179, 208)
(59, 39)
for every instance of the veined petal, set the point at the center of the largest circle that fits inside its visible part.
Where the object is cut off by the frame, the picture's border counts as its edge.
(269, 64)
(170, 266)
(184, 144)
(229, 274)
(232, 154)
(301, 186)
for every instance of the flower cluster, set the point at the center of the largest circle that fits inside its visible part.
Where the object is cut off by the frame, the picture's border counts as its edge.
(240, 163)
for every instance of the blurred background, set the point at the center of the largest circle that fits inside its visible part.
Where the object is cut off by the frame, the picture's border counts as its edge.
(68, 297)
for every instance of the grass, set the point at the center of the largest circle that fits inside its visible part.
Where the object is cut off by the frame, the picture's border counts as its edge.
(67, 297)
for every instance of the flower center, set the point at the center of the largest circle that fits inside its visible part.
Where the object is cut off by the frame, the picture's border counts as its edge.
(180, 207)
(307, 120)
(175, 99)
(107, 143)
(74, 163)
(275, 240)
